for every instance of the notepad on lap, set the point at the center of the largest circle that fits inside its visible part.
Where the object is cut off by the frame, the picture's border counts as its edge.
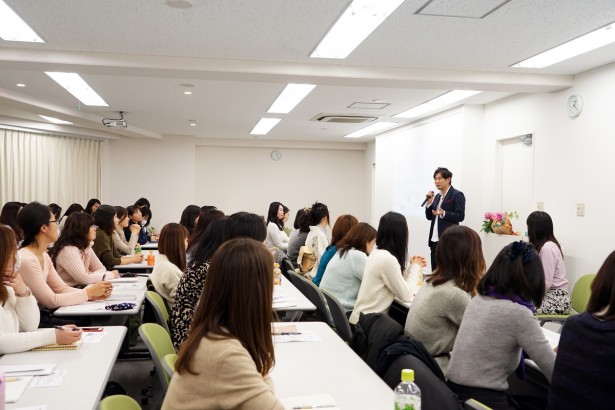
(73, 346)
(314, 401)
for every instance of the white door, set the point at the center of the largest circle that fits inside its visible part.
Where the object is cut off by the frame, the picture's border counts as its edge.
(517, 180)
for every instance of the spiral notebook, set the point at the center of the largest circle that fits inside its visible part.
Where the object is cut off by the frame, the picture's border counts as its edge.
(73, 346)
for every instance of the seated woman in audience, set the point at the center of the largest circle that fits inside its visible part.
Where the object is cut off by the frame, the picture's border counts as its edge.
(345, 270)
(19, 314)
(57, 210)
(583, 372)
(540, 231)
(276, 237)
(8, 216)
(106, 219)
(318, 238)
(342, 226)
(142, 203)
(190, 217)
(123, 246)
(298, 236)
(135, 217)
(385, 276)
(92, 206)
(170, 261)
(191, 283)
(498, 325)
(148, 229)
(226, 360)
(73, 256)
(436, 312)
(40, 229)
(207, 215)
(75, 207)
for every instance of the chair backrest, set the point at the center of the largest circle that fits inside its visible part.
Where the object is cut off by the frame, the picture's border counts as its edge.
(295, 279)
(338, 314)
(160, 309)
(168, 364)
(581, 292)
(159, 344)
(119, 402)
(314, 295)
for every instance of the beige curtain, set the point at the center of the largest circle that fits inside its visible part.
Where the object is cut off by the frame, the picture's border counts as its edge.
(48, 168)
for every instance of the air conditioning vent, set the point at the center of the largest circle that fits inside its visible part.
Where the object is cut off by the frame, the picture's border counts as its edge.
(344, 119)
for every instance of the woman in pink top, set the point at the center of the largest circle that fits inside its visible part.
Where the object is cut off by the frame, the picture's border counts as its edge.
(72, 254)
(540, 231)
(40, 229)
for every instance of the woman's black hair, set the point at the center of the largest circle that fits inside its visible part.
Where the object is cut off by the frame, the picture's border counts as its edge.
(146, 212)
(245, 224)
(540, 230)
(74, 207)
(272, 214)
(516, 272)
(188, 217)
(317, 212)
(393, 237)
(131, 209)
(8, 216)
(210, 241)
(141, 202)
(302, 220)
(104, 218)
(31, 219)
(56, 209)
(90, 204)
(75, 233)
(121, 212)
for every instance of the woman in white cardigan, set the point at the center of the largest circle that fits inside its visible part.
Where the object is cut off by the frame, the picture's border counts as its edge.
(19, 313)
(276, 237)
(385, 276)
(171, 261)
(320, 233)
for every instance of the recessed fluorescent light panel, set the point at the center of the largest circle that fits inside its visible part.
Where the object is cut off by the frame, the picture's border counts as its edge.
(438, 102)
(290, 97)
(55, 120)
(74, 84)
(13, 28)
(357, 22)
(264, 125)
(371, 129)
(588, 42)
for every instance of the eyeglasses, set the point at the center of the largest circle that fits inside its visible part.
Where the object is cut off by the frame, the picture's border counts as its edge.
(95, 227)
(54, 221)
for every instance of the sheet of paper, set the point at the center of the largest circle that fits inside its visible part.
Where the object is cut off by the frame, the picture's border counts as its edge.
(28, 369)
(121, 297)
(300, 337)
(85, 307)
(39, 407)
(281, 329)
(280, 305)
(123, 280)
(14, 387)
(51, 380)
(92, 337)
(318, 401)
(128, 286)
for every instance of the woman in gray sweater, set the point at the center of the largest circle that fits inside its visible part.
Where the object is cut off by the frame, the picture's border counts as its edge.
(498, 325)
(436, 312)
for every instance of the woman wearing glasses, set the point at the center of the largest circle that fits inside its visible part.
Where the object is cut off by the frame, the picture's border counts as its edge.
(72, 254)
(19, 314)
(40, 229)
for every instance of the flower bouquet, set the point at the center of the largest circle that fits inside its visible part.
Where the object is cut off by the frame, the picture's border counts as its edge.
(499, 222)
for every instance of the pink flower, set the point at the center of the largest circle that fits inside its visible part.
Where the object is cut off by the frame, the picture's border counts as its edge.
(487, 215)
(499, 216)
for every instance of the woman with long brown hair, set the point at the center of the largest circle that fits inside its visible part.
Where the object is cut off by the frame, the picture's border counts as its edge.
(226, 360)
(342, 226)
(171, 261)
(436, 312)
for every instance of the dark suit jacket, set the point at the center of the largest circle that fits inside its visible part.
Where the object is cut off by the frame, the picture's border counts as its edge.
(454, 206)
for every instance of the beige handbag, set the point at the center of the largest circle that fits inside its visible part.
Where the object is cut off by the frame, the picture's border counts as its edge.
(306, 259)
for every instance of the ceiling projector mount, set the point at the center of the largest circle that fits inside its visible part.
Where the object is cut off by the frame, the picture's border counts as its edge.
(115, 122)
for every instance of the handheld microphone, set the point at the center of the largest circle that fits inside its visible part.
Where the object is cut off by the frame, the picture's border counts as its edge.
(427, 198)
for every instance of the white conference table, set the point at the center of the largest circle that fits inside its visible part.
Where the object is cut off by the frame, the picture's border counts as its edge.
(87, 372)
(328, 367)
(150, 245)
(288, 298)
(133, 288)
(134, 266)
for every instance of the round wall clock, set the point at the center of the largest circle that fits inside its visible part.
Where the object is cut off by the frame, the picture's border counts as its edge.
(276, 155)
(575, 105)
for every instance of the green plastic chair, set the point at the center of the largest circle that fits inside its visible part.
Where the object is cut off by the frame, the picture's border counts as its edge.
(168, 364)
(160, 309)
(578, 300)
(159, 344)
(119, 402)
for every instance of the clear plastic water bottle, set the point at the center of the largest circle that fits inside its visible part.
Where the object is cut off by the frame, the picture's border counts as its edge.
(407, 394)
(277, 274)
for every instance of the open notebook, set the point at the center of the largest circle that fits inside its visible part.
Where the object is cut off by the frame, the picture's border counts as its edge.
(73, 346)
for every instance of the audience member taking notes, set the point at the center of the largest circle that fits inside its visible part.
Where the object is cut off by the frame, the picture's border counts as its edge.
(171, 261)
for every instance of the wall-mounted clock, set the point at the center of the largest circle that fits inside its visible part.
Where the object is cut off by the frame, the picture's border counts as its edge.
(575, 105)
(276, 155)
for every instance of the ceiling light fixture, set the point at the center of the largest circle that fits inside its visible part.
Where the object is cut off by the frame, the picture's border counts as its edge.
(264, 125)
(371, 129)
(290, 97)
(588, 42)
(55, 120)
(188, 92)
(74, 84)
(13, 28)
(438, 102)
(357, 22)
(20, 85)
(192, 123)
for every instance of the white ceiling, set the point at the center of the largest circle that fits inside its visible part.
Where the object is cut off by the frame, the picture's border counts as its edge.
(240, 54)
